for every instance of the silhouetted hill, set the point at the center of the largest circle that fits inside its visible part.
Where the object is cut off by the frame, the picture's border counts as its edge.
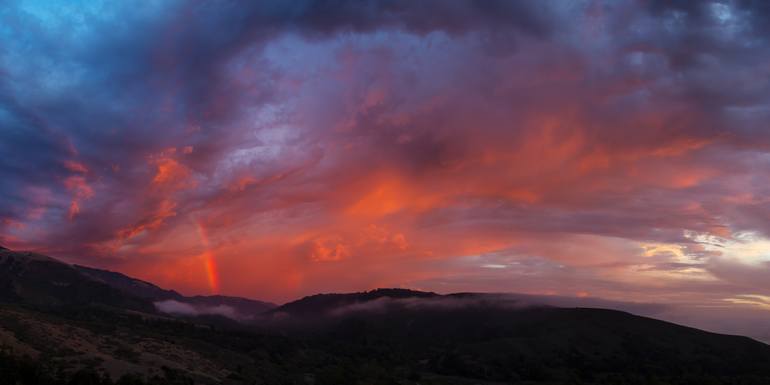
(127, 284)
(35, 279)
(499, 342)
(42, 281)
(247, 308)
(322, 304)
(50, 333)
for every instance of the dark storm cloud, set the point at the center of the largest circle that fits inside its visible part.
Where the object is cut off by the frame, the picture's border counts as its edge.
(719, 48)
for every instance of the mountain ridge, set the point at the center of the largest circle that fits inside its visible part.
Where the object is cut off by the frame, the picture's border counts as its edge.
(141, 294)
(75, 318)
(325, 302)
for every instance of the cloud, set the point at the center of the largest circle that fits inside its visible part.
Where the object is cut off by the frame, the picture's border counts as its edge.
(503, 301)
(185, 309)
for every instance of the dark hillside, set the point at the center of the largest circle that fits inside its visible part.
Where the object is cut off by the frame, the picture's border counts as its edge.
(61, 324)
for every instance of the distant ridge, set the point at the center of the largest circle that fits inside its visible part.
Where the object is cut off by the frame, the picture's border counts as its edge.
(40, 280)
(128, 284)
(319, 304)
(245, 307)
(81, 317)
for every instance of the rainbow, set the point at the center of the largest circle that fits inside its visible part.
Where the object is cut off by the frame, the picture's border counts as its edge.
(209, 260)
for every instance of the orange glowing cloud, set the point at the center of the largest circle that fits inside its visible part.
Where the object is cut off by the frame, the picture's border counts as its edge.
(170, 173)
(76, 167)
(326, 250)
(165, 209)
(386, 194)
(81, 191)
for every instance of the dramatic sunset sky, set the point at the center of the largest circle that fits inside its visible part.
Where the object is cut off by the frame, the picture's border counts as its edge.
(274, 149)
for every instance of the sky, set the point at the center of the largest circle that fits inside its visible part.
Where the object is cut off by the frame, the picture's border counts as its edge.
(274, 149)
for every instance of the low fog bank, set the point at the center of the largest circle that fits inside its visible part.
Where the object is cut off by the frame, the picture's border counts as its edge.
(495, 301)
(178, 308)
(335, 305)
(746, 321)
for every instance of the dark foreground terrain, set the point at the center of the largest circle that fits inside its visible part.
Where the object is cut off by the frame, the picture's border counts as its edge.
(62, 324)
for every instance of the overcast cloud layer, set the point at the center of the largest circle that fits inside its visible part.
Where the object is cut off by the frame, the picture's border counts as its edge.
(273, 149)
